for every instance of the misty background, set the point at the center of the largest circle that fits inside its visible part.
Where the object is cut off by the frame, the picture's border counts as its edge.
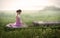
(27, 4)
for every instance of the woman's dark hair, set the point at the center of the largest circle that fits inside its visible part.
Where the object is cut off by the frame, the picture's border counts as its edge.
(19, 10)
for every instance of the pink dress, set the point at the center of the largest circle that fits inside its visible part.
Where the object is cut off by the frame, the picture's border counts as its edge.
(18, 21)
(17, 24)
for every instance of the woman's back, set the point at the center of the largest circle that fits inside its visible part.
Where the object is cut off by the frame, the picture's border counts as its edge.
(18, 21)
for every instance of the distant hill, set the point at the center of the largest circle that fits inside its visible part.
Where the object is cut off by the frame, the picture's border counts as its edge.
(51, 11)
(52, 8)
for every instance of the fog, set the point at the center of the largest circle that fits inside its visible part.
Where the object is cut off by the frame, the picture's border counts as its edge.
(27, 4)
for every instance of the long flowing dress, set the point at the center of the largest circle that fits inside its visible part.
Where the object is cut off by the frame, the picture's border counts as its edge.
(17, 24)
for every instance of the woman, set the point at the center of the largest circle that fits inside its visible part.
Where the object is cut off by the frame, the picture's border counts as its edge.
(18, 23)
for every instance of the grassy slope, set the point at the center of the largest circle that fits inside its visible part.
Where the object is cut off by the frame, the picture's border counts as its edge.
(27, 18)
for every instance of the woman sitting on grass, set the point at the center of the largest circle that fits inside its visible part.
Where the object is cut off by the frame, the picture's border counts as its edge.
(18, 23)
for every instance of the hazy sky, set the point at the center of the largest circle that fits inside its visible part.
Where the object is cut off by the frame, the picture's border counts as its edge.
(27, 4)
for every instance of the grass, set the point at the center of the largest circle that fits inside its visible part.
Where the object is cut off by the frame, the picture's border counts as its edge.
(30, 32)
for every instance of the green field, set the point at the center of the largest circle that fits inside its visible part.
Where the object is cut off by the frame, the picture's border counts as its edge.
(28, 16)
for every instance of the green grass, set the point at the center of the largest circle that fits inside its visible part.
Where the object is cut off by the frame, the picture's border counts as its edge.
(30, 33)
(28, 18)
